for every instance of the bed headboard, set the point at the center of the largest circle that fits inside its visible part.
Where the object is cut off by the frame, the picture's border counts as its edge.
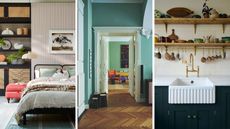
(51, 67)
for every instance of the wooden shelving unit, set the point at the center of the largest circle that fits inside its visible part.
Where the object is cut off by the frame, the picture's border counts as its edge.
(19, 15)
(194, 44)
(194, 21)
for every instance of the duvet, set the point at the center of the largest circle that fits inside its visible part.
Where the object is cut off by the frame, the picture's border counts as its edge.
(46, 93)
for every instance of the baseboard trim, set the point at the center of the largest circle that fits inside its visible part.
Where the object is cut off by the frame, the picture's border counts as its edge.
(140, 100)
(87, 106)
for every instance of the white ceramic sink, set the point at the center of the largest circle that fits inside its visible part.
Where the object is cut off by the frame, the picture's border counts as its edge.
(191, 91)
(199, 82)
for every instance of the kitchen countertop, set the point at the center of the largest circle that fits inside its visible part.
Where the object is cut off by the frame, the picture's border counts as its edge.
(217, 80)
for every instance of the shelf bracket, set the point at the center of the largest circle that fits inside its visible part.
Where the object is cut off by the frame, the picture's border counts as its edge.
(195, 26)
(195, 50)
(166, 28)
(223, 27)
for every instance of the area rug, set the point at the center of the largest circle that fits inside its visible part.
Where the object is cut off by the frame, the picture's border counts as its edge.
(43, 122)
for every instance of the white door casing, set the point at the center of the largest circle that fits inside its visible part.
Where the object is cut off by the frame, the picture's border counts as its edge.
(80, 61)
(98, 33)
(131, 67)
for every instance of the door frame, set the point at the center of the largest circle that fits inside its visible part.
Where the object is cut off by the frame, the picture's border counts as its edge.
(99, 32)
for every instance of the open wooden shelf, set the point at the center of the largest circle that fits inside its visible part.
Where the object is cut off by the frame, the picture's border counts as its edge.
(15, 36)
(194, 44)
(194, 21)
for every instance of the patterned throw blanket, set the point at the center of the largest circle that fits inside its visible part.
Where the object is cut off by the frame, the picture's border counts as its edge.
(49, 84)
(42, 84)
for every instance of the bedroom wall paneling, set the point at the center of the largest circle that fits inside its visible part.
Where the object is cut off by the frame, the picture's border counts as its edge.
(50, 16)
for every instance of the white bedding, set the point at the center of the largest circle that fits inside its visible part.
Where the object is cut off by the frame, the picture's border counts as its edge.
(46, 99)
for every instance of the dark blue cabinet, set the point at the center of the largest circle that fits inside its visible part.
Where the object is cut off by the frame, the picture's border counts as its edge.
(191, 116)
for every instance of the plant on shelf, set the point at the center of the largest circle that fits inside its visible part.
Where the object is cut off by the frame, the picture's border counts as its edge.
(16, 58)
(2, 42)
(206, 10)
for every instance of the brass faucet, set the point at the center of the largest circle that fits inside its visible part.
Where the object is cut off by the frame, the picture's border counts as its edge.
(191, 60)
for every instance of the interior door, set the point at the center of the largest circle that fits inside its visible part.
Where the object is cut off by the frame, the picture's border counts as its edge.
(80, 62)
(104, 66)
(131, 67)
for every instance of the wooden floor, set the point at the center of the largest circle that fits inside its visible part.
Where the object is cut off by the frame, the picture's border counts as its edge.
(122, 113)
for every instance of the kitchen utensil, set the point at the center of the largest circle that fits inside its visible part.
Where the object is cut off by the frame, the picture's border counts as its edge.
(18, 46)
(203, 59)
(179, 12)
(226, 39)
(173, 56)
(178, 55)
(167, 55)
(207, 38)
(198, 40)
(213, 14)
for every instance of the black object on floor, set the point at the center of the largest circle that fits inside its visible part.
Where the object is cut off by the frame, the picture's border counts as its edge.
(103, 100)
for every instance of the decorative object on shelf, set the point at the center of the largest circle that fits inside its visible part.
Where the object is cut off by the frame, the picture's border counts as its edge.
(206, 10)
(18, 46)
(2, 58)
(157, 14)
(167, 55)
(25, 31)
(226, 39)
(208, 39)
(198, 40)
(29, 55)
(14, 58)
(61, 42)
(173, 36)
(196, 16)
(223, 15)
(213, 14)
(173, 56)
(164, 39)
(7, 31)
(19, 31)
(179, 12)
(7, 45)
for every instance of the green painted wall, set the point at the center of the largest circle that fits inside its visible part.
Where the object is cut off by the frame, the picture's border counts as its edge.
(146, 59)
(117, 14)
(113, 15)
(114, 55)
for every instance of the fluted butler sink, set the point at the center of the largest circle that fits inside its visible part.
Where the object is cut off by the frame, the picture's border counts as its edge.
(191, 91)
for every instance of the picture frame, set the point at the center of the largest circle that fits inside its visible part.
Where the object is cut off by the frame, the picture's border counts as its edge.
(62, 42)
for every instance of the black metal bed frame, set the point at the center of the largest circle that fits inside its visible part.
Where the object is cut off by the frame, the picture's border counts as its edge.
(68, 111)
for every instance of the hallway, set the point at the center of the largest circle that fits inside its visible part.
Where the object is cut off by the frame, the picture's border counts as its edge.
(122, 112)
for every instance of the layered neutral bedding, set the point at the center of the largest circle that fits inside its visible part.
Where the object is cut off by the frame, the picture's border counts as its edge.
(47, 92)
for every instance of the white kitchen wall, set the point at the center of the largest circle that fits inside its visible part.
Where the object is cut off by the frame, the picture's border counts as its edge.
(45, 17)
(219, 67)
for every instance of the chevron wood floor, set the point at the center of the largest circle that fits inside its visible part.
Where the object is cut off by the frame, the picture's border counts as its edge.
(122, 113)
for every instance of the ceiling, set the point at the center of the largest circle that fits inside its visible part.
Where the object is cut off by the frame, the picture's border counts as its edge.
(37, 1)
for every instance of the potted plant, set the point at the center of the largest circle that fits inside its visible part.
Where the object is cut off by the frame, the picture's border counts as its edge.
(206, 10)
(16, 58)
(2, 42)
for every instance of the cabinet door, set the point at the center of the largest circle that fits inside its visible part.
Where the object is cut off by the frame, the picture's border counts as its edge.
(227, 115)
(19, 75)
(181, 119)
(158, 109)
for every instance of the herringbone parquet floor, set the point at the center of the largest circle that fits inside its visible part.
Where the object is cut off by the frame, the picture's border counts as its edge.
(122, 113)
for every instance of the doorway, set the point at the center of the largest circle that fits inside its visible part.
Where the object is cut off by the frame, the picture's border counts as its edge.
(126, 78)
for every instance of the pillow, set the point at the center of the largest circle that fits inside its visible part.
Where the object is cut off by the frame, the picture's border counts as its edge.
(36, 74)
(47, 72)
(71, 71)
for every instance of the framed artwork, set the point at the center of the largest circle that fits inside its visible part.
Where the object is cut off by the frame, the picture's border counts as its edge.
(62, 41)
(124, 59)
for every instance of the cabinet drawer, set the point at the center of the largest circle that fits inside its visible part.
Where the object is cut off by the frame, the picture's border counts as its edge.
(19, 75)
(19, 12)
